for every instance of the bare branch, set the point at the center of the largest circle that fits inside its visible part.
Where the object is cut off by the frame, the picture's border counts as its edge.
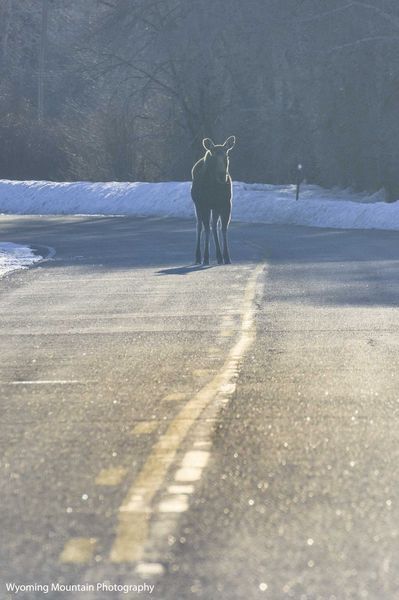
(365, 40)
(388, 16)
(327, 13)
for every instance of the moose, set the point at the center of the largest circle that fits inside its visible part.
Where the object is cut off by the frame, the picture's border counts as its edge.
(211, 192)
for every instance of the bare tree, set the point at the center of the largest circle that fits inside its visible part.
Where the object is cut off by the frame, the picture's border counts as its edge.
(127, 89)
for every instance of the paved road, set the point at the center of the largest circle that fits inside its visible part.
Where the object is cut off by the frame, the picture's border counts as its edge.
(229, 432)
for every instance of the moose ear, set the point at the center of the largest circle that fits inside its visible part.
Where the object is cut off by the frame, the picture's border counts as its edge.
(208, 144)
(230, 143)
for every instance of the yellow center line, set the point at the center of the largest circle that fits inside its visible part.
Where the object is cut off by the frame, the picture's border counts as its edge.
(134, 514)
(78, 550)
(111, 476)
(202, 372)
(226, 332)
(145, 427)
(175, 397)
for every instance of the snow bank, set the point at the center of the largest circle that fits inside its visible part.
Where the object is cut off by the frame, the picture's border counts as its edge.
(317, 207)
(14, 256)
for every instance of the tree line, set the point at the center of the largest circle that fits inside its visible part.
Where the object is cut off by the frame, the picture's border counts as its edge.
(127, 89)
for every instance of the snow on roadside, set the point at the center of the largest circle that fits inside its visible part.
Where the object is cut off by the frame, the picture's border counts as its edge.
(14, 257)
(316, 207)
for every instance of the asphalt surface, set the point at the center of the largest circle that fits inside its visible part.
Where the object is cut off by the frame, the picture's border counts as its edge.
(107, 351)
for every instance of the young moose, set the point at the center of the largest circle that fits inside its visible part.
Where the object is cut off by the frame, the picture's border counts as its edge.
(211, 192)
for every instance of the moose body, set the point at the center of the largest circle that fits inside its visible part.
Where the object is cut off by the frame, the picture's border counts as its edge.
(211, 192)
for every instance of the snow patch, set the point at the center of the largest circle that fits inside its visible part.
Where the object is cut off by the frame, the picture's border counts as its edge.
(14, 257)
(317, 207)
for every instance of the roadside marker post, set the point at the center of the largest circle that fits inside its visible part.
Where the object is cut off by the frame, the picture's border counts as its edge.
(298, 180)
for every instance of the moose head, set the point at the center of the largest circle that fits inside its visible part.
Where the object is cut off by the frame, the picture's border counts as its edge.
(217, 157)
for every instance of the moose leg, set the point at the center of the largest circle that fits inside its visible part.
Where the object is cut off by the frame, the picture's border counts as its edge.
(226, 254)
(206, 222)
(215, 220)
(198, 243)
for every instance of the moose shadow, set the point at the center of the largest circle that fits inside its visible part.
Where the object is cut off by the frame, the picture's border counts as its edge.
(186, 270)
